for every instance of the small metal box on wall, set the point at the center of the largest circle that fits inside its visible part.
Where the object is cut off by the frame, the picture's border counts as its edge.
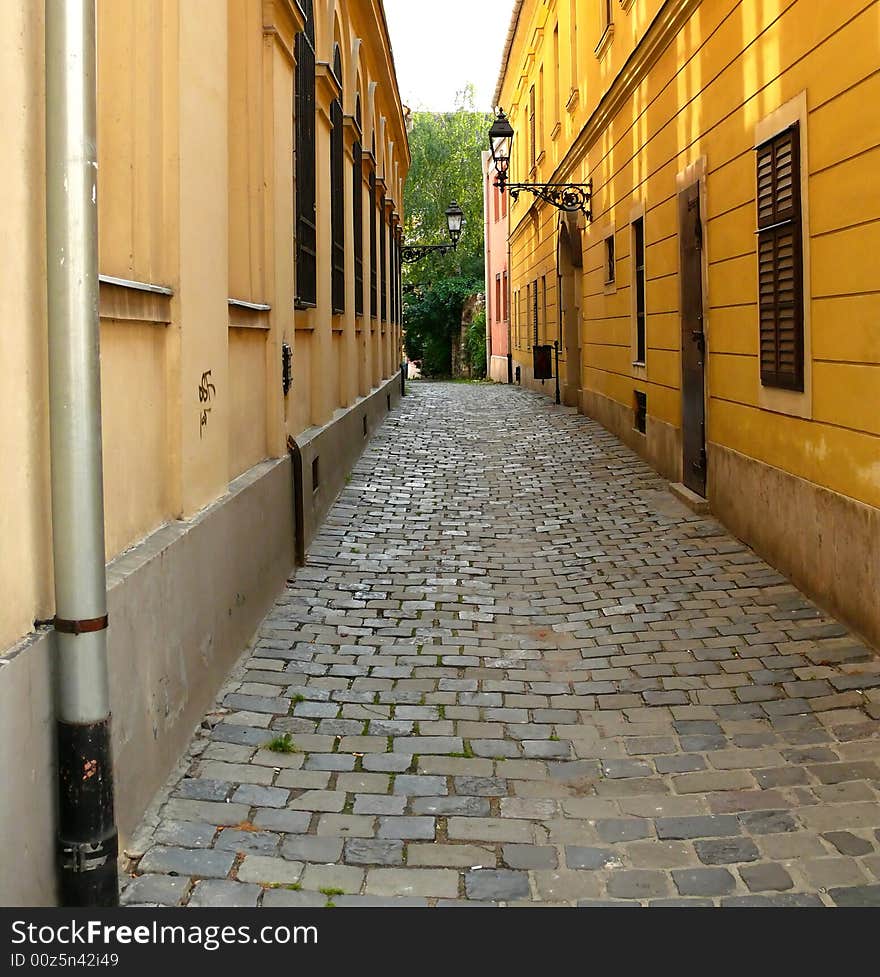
(543, 362)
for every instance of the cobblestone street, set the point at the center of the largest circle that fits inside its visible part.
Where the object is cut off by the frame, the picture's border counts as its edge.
(516, 670)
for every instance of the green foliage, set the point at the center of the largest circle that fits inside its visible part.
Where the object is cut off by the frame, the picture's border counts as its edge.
(446, 165)
(282, 744)
(433, 316)
(476, 345)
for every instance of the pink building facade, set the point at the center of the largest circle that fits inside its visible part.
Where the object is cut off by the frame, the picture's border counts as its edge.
(497, 301)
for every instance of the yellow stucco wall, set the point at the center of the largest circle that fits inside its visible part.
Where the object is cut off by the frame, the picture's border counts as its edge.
(724, 66)
(195, 195)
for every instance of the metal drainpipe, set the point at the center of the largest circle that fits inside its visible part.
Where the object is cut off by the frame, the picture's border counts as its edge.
(87, 839)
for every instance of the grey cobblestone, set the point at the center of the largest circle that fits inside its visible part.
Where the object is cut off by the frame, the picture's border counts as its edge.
(515, 675)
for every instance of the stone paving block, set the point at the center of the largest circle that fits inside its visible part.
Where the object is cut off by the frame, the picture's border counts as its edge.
(347, 825)
(862, 896)
(499, 885)
(707, 826)
(638, 884)
(256, 796)
(407, 828)
(703, 881)
(310, 848)
(614, 830)
(530, 856)
(588, 858)
(489, 829)
(360, 851)
(331, 801)
(332, 877)
(407, 882)
(725, 851)
(216, 893)
(269, 871)
(379, 804)
(200, 862)
(420, 786)
(185, 834)
(296, 822)
(264, 842)
(448, 806)
(766, 876)
(162, 890)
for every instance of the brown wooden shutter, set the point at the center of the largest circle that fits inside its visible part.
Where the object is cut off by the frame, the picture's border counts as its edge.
(780, 262)
(533, 151)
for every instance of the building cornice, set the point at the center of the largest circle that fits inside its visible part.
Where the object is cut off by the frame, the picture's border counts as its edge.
(283, 19)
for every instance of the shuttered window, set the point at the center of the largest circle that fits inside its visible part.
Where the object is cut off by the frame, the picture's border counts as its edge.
(337, 192)
(383, 260)
(306, 235)
(533, 152)
(374, 274)
(780, 261)
(535, 309)
(357, 208)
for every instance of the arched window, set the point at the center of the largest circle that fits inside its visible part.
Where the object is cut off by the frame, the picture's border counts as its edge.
(357, 204)
(374, 272)
(337, 191)
(306, 234)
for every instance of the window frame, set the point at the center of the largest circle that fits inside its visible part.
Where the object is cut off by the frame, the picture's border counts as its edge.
(305, 164)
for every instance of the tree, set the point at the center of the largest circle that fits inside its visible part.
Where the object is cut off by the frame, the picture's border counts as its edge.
(446, 165)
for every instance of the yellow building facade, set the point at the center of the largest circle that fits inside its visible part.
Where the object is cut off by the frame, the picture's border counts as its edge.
(228, 132)
(719, 308)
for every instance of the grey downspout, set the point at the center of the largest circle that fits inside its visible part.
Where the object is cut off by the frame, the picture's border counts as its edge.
(87, 838)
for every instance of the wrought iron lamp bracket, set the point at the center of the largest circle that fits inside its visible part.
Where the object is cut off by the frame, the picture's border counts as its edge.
(416, 252)
(568, 197)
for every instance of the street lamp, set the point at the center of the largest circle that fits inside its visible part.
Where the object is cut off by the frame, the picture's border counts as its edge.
(568, 197)
(455, 222)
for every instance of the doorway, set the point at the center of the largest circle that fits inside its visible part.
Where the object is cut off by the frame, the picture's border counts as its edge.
(693, 341)
(569, 267)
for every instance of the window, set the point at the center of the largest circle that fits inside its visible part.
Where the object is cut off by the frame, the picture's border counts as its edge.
(337, 192)
(535, 309)
(374, 274)
(498, 298)
(532, 132)
(557, 100)
(639, 281)
(357, 207)
(573, 39)
(544, 304)
(780, 261)
(383, 260)
(609, 260)
(504, 297)
(306, 234)
(540, 113)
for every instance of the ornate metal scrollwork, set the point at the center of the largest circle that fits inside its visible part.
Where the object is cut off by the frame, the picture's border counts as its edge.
(415, 252)
(568, 197)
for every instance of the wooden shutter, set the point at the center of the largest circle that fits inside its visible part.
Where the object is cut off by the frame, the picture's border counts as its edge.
(780, 262)
(533, 151)
(306, 222)
(337, 194)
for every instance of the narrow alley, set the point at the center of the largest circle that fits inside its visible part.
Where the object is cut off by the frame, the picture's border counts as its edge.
(516, 670)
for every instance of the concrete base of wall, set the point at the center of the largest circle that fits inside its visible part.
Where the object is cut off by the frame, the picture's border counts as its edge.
(183, 604)
(328, 453)
(824, 542)
(498, 369)
(660, 445)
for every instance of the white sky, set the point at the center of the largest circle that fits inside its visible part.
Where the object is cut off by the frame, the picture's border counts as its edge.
(441, 45)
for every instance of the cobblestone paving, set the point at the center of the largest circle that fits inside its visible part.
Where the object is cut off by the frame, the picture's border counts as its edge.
(515, 670)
